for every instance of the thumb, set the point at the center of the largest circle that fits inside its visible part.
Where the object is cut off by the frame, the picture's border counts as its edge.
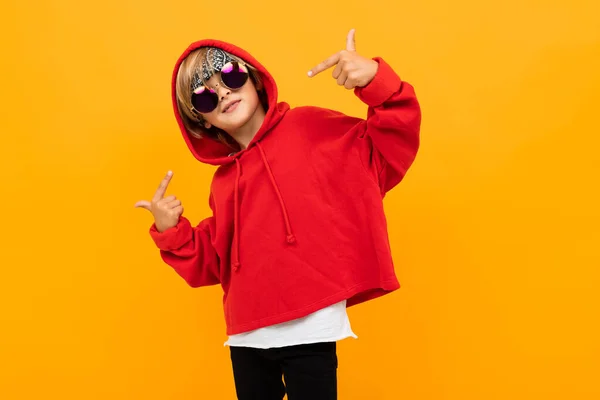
(143, 204)
(350, 41)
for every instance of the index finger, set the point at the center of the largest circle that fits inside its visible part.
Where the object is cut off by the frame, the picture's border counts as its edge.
(162, 188)
(330, 62)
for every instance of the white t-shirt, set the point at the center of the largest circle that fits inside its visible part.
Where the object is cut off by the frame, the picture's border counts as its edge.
(329, 324)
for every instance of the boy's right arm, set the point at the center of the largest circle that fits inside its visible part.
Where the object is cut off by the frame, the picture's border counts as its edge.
(189, 251)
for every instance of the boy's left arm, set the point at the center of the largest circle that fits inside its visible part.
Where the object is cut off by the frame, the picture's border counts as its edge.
(391, 132)
(392, 127)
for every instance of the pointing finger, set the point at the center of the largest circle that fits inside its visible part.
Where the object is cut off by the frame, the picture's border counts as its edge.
(350, 42)
(162, 188)
(330, 62)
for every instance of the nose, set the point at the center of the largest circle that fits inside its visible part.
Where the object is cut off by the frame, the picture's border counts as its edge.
(222, 91)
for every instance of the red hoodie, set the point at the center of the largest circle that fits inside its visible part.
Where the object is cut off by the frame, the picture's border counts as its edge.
(298, 221)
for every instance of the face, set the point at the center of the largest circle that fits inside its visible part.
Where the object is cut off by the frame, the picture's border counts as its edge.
(236, 108)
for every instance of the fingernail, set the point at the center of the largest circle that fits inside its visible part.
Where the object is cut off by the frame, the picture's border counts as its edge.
(310, 73)
(170, 173)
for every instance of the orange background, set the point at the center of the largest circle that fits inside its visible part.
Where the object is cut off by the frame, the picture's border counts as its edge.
(495, 231)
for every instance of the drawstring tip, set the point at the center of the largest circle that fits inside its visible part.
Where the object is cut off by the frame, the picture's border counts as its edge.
(291, 239)
(236, 266)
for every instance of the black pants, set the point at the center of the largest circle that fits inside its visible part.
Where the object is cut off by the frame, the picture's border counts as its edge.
(309, 371)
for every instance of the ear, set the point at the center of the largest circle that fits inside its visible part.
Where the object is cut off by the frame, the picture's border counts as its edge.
(207, 125)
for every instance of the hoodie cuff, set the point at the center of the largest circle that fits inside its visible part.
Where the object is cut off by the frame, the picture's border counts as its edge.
(173, 238)
(385, 83)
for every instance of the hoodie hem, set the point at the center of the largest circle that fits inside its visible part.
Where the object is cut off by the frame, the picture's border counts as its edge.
(358, 294)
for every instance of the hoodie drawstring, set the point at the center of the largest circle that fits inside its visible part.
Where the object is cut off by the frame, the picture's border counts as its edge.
(290, 237)
(236, 218)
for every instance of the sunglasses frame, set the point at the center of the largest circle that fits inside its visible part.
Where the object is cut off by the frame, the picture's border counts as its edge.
(239, 64)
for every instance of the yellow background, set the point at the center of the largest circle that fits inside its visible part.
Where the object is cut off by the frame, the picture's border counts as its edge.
(495, 231)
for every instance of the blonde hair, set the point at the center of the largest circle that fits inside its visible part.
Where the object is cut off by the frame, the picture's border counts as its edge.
(193, 122)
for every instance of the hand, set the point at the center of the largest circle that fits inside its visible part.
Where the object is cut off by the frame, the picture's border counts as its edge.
(352, 70)
(166, 210)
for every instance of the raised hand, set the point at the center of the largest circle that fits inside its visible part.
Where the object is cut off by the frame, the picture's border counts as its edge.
(166, 210)
(351, 69)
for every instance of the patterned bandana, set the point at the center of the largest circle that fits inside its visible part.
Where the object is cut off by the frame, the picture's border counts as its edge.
(216, 58)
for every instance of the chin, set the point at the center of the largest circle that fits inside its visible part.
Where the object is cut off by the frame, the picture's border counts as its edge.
(238, 119)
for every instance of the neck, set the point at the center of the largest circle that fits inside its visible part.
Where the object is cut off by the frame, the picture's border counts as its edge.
(244, 134)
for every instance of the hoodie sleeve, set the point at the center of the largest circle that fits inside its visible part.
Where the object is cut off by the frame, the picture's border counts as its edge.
(391, 131)
(189, 251)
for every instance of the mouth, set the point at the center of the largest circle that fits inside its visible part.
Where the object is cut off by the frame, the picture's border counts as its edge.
(230, 107)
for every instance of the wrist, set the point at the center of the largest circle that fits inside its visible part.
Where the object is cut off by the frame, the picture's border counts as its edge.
(373, 74)
(173, 237)
(383, 85)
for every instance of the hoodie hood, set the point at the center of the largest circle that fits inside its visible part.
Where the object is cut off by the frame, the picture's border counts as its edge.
(208, 150)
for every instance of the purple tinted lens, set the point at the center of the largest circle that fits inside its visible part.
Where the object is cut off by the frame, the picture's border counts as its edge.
(234, 77)
(205, 102)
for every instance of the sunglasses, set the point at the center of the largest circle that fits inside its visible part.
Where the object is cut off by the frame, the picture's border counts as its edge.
(233, 76)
